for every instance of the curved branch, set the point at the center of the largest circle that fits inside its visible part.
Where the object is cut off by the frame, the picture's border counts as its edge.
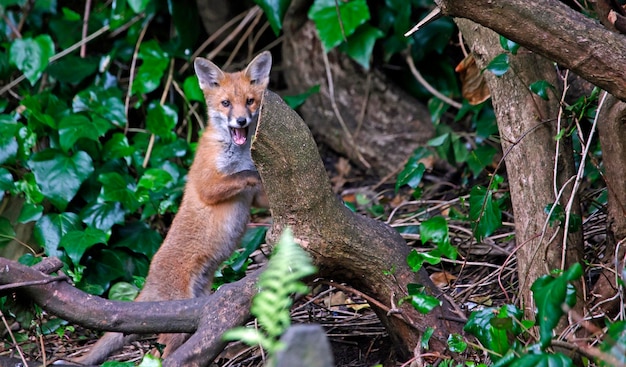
(555, 31)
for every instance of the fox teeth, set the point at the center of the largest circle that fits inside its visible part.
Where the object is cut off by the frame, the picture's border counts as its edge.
(239, 135)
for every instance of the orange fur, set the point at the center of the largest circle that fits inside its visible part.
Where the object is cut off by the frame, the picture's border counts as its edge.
(222, 183)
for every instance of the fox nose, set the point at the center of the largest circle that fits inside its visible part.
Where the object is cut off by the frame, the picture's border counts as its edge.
(241, 121)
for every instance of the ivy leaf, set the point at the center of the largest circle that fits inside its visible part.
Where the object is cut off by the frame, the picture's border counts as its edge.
(495, 328)
(74, 127)
(299, 99)
(541, 88)
(117, 147)
(542, 360)
(138, 6)
(6, 182)
(73, 69)
(413, 171)
(139, 238)
(103, 215)
(549, 294)
(324, 13)
(30, 212)
(434, 229)
(456, 343)
(7, 233)
(123, 291)
(8, 140)
(361, 44)
(76, 242)
(480, 158)
(499, 65)
(50, 228)
(31, 55)
(509, 45)
(149, 74)
(416, 259)
(116, 188)
(104, 103)
(484, 212)
(275, 12)
(192, 89)
(161, 119)
(59, 175)
(421, 301)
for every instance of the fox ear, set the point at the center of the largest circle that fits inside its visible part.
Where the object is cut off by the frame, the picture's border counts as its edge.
(259, 69)
(209, 74)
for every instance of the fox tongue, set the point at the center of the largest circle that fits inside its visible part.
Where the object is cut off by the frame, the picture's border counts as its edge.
(239, 136)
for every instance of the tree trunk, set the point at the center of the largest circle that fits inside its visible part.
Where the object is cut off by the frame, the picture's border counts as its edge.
(612, 130)
(345, 246)
(527, 126)
(383, 124)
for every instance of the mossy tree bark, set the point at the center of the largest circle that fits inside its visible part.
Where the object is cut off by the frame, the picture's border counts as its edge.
(527, 126)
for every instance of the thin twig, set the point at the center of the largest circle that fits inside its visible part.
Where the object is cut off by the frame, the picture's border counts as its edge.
(83, 47)
(243, 39)
(168, 84)
(333, 103)
(430, 88)
(133, 64)
(32, 282)
(8, 328)
(56, 57)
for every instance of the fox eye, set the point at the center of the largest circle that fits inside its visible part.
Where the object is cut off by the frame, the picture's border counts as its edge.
(249, 101)
(226, 103)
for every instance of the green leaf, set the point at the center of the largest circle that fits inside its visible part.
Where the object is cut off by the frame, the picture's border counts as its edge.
(484, 212)
(424, 303)
(299, 99)
(60, 175)
(30, 212)
(8, 139)
(139, 238)
(542, 360)
(456, 343)
(73, 69)
(150, 361)
(192, 89)
(509, 45)
(361, 44)
(495, 335)
(138, 6)
(104, 103)
(116, 188)
(6, 182)
(499, 65)
(50, 228)
(426, 337)
(480, 158)
(434, 229)
(541, 88)
(103, 215)
(615, 343)
(7, 233)
(413, 171)
(149, 74)
(117, 147)
(416, 259)
(550, 294)
(252, 239)
(31, 55)
(161, 119)
(123, 291)
(74, 127)
(324, 13)
(28, 186)
(76, 242)
(275, 12)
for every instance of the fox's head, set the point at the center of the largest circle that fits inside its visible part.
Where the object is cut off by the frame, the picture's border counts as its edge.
(233, 99)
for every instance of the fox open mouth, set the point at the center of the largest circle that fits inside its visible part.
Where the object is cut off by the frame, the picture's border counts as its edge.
(239, 135)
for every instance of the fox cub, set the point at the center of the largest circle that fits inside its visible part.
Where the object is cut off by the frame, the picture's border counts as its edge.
(222, 185)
